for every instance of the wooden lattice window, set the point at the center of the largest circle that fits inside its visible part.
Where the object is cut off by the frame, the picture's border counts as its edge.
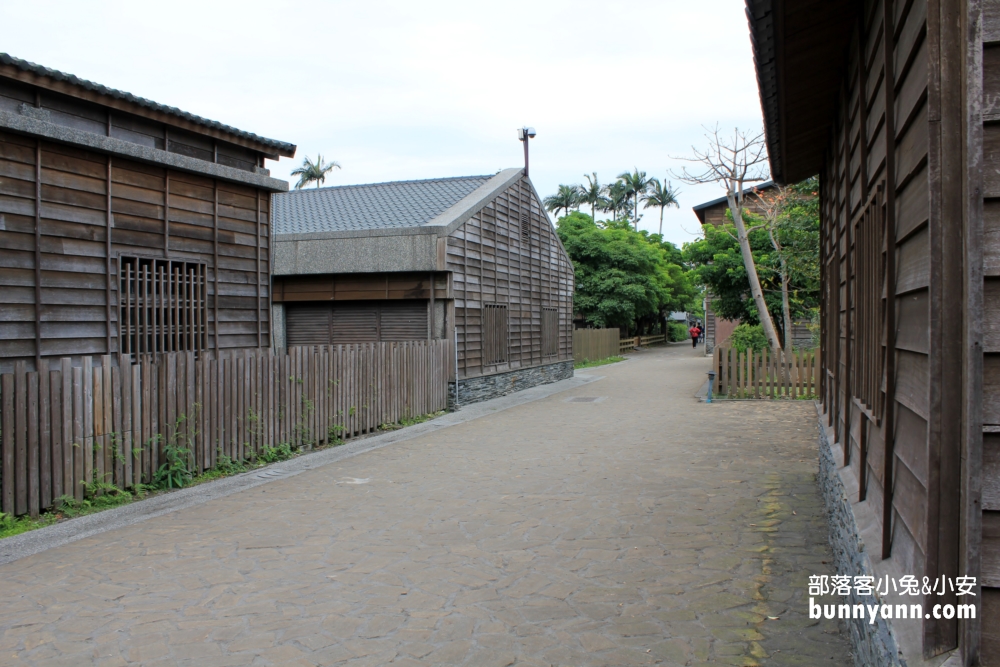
(550, 332)
(869, 288)
(495, 331)
(163, 305)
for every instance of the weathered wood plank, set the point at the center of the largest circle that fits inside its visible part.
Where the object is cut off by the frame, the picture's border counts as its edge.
(21, 437)
(7, 443)
(991, 472)
(56, 425)
(88, 422)
(33, 446)
(68, 443)
(44, 439)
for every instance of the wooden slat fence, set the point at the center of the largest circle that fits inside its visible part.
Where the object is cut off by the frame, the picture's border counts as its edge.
(652, 340)
(110, 420)
(765, 373)
(595, 344)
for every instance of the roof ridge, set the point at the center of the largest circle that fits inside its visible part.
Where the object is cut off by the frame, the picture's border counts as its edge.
(41, 70)
(372, 185)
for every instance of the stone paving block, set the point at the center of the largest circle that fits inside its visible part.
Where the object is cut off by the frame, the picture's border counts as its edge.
(645, 529)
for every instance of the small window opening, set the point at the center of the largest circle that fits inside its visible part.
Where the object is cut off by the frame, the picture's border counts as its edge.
(495, 333)
(163, 305)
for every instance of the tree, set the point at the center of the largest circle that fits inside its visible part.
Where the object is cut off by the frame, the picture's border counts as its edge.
(792, 257)
(567, 197)
(772, 207)
(313, 172)
(617, 199)
(623, 278)
(793, 229)
(661, 196)
(734, 163)
(592, 193)
(636, 185)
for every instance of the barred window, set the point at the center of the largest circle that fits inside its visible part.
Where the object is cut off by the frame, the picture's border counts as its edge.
(495, 331)
(550, 332)
(869, 310)
(163, 305)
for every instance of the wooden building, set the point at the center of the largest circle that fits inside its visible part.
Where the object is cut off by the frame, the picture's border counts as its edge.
(473, 259)
(126, 225)
(895, 103)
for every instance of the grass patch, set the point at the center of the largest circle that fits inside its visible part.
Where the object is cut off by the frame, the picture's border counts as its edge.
(10, 526)
(586, 363)
(100, 497)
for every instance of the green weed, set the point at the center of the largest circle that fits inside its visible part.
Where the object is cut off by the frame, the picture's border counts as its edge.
(410, 421)
(586, 363)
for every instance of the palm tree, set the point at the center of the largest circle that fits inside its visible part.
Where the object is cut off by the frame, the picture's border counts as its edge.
(566, 198)
(617, 195)
(636, 184)
(593, 194)
(660, 195)
(313, 172)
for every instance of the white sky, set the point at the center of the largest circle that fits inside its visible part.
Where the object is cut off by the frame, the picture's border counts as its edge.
(408, 90)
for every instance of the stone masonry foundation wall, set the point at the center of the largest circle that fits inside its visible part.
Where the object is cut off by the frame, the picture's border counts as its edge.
(873, 645)
(473, 390)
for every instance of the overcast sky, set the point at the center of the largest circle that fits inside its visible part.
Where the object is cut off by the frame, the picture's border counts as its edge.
(410, 90)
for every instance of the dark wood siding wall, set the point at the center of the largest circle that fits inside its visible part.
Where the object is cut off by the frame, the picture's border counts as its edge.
(67, 214)
(493, 261)
(82, 115)
(990, 567)
(894, 399)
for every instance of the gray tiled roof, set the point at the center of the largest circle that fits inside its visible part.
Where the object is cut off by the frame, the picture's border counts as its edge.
(369, 207)
(39, 70)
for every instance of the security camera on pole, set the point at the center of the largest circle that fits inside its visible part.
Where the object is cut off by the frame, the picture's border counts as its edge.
(524, 134)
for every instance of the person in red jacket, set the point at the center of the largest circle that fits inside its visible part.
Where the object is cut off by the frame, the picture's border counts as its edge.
(695, 332)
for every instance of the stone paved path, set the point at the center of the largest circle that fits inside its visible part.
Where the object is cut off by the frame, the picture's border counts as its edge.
(642, 528)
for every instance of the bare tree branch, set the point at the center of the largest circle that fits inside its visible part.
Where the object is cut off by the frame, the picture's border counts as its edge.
(734, 162)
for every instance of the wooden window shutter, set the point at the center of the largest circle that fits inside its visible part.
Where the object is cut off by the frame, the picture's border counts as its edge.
(403, 320)
(869, 310)
(550, 332)
(495, 334)
(307, 324)
(355, 323)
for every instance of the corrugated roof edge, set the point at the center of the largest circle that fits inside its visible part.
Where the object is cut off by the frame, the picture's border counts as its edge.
(759, 186)
(373, 185)
(445, 222)
(39, 70)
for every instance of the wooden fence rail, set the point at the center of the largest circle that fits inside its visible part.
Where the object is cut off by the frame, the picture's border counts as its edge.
(113, 421)
(765, 373)
(595, 344)
(652, 340)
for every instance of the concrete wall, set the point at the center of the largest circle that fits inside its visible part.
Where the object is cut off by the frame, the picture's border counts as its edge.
(278, 326)
(407, 249)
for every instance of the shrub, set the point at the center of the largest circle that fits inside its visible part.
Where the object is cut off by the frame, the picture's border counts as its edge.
(677, 331)
(747, 337)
